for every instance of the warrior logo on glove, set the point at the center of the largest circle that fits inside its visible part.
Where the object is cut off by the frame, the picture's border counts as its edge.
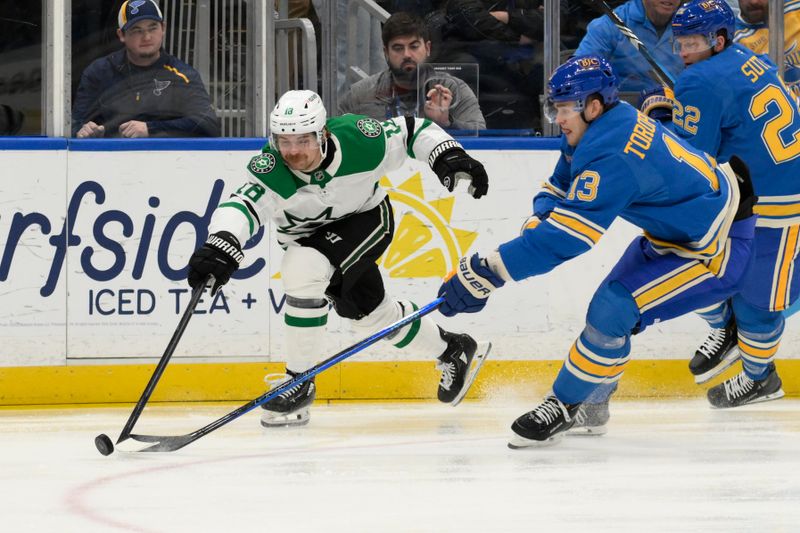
(451, 163)
(220, 257)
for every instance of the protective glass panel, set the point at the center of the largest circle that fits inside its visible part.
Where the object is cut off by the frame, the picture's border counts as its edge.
(508, 46)
(145, 72)
(448, 95)
(21, 68)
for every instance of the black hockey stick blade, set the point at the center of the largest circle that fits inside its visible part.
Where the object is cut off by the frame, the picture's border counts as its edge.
(155, 443)
(152, 443)
(663, 77)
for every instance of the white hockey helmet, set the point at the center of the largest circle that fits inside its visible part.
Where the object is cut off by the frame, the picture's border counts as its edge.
(298, 112)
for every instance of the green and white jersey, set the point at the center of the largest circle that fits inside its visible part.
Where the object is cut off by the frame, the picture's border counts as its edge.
(364, 150)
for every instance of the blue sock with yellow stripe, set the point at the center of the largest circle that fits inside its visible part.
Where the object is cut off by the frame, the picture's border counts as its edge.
(717, 316)
(758, 352)
(760, 333)
(594, 361)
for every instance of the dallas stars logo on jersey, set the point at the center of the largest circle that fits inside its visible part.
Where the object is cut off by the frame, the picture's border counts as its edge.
(262, 164)
(369, 127)
(298, 224)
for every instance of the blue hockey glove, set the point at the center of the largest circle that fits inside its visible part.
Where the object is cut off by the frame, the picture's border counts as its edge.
(657, 103)
(468, 287)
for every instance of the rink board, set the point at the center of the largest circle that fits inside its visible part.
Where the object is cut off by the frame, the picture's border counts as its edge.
(398, 380)
(95, 236)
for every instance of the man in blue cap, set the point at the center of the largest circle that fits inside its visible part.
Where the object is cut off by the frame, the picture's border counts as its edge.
(140, 90)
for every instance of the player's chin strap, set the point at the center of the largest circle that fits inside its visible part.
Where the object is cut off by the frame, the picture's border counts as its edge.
(324, 140)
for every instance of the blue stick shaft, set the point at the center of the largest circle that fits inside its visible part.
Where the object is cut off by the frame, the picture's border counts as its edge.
(324, 365)
(171, 443)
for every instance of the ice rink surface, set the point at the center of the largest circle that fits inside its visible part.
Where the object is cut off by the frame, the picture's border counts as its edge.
(404, 467)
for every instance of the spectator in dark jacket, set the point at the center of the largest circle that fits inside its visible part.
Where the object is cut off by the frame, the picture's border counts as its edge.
(501, 37)
(141, 91)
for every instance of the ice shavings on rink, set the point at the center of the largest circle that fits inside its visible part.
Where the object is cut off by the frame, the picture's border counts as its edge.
(664, 466)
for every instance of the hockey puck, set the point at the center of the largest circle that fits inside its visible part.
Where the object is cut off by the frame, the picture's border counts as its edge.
(104, 444)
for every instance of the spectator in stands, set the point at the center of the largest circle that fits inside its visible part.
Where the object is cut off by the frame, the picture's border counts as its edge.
(505, 39)
(752, 32)
(411, 87)
(650, 21)
(140, 90)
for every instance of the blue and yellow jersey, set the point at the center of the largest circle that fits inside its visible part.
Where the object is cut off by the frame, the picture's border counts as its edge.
(756, 38)
(754, 116)
(629, 166)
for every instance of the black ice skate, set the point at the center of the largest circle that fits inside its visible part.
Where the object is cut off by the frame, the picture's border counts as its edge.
(718, 352)
(741, 390)
(543, 426)
(459, 364)
(290, 408)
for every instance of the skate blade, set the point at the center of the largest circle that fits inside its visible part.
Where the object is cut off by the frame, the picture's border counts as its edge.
(518, 442)
(585, 431)
(276, 420)
(481, 352)
(723, 365)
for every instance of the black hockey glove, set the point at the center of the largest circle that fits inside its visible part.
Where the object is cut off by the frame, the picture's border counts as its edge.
(451, 163)
(220, 256)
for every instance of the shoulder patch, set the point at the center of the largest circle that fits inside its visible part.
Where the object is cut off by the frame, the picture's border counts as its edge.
(369, 127)
(262, 164)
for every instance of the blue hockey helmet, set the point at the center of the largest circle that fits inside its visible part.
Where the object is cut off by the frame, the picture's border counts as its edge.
(577, 79)
(704, 17)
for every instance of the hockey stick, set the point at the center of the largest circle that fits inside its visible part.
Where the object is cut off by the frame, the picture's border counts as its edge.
(162, 364)
(663, 76)
(171, 443)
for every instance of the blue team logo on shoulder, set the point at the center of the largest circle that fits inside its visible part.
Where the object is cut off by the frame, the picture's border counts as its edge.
(369, 127)
(262, 164)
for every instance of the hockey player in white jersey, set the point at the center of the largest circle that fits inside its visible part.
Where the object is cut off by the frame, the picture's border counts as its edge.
(317, 180)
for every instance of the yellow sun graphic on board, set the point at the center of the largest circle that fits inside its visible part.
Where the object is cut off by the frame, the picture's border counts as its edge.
(424, 243)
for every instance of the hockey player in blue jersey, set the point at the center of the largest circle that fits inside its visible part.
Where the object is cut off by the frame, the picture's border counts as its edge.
(752, 116)
(616, 162)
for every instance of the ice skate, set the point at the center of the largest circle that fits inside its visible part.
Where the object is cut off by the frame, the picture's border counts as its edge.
(741, 390)
(459, 364)
(593, 416)
(591, 419)
(544, 426)
(717, 353)
(290, 408)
